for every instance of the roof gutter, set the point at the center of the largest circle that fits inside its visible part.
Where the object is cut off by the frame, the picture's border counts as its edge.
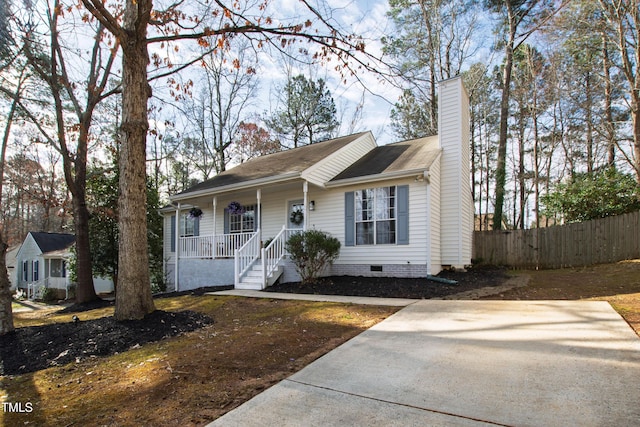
(412, 173)
(235, 187)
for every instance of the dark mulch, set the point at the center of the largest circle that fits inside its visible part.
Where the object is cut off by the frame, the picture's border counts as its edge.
(389, 287)
(33, 348)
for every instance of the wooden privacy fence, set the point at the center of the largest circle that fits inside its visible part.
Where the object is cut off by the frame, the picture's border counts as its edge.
(598, 241)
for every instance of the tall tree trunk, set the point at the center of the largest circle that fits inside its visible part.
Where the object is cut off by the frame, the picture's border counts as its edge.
(85, 291)
(589, 123)
(6, 313)
(133, 298)
(522, 190)
(501, 168)
(608, 96)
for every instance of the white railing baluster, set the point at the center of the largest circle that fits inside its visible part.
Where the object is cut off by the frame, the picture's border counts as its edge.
(246, 255)
(212, 246)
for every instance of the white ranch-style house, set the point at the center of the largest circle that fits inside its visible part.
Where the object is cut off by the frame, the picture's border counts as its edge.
(399, 210)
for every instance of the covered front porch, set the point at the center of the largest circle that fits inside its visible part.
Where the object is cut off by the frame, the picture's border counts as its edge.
(236, 238)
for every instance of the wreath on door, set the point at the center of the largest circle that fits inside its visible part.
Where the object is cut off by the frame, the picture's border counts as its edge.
(296, 217)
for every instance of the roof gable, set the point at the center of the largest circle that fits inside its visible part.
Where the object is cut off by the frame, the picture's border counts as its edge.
(409, 156)
(281, 165)
(49, 242)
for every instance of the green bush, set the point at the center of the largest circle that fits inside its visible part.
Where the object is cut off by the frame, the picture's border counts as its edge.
(311, 252)
(596, 195)
(72, 291)
(48, 294)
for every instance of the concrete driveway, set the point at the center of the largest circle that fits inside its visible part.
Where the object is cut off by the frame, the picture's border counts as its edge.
(467, 363)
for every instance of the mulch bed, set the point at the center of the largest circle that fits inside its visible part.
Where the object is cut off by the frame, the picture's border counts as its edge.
(33, 348)
(388, 287)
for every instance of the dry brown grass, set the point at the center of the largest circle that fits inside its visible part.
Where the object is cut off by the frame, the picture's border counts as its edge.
(188, 380)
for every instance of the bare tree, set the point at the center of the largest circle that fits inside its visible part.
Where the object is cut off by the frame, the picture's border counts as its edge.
(624, 18)
(73, 100)
(6, 44)
(215, 112)
(253, 141)
(518, 20)
(434, 43)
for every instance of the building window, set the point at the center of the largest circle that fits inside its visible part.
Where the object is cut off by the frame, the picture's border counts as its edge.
(244, 222)
(36, 270)
(375, 216)
(187, 225)
(25, 271)
(58, 268)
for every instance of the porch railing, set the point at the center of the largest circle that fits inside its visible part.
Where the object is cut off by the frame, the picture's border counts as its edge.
(213, 246)
(246, 255)
(35, 289)
(273, 253)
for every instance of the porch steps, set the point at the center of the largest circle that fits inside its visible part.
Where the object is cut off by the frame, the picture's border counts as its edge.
(253, 278)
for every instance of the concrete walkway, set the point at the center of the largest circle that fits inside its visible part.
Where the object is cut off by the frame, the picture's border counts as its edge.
(467, 363)
(390, 302)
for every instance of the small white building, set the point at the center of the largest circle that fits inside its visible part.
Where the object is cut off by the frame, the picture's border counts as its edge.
(42, 262)
(399, 210)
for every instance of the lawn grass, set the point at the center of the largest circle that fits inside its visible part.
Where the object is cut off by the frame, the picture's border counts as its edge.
(191, 379)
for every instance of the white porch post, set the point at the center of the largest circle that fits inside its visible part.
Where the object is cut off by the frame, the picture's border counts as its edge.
(215, 209)
(305, 190)
(258, 213)
(214, 250)
(177, 236)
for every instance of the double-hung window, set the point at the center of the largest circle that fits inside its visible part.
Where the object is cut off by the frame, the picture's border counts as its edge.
(375, 216)
(187, 225)
(36, 270)
(244, 222)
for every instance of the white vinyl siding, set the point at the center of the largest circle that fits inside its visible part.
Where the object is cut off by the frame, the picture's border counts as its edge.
(456, 205)
(329, 216)
(29, 251)
(435, 263)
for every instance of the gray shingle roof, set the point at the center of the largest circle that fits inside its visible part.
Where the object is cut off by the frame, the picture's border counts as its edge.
(49, 242)
(283, 163)
(417, 154)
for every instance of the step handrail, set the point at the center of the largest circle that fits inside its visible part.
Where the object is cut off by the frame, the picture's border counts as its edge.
(246, 255)
(273, 253)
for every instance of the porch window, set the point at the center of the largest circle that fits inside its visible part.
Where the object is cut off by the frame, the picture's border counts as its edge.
(244, 222)
(57, 267)
(187, 225)
(375, 216)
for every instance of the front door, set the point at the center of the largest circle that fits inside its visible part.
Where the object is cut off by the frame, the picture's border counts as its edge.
(295, 215)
